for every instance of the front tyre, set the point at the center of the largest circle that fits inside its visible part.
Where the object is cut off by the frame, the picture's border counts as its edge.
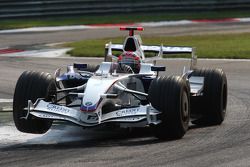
(170, 96)
(31, 86)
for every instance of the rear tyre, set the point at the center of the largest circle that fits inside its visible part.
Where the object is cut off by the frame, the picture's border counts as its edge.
(211, 106)
(170, 95)
(30, 86)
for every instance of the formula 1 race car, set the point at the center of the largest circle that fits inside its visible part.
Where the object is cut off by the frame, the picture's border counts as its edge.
(125, 91)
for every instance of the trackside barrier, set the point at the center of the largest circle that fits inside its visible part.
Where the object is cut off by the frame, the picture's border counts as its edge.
(12, 9)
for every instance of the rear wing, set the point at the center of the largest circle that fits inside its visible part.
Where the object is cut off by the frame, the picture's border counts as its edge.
(159, 50)
(167, 49)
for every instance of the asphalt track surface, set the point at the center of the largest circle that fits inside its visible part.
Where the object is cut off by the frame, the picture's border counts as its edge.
(67, 145)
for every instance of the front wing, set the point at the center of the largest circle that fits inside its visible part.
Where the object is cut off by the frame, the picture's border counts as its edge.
(47, 110)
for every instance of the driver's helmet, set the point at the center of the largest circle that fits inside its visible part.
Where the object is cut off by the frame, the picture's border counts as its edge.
(131, 59)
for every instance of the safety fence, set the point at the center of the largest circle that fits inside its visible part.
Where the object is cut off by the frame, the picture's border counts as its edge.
(50, 8)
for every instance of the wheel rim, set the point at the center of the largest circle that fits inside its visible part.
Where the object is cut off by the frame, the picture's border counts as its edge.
(185, 108)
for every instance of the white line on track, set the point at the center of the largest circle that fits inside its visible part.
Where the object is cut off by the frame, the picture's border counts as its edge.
(6, 100)
(243, 19)
(45, 29)
(166, 23)
(48, 53)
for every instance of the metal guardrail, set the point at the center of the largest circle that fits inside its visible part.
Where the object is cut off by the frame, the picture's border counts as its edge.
(38, 8)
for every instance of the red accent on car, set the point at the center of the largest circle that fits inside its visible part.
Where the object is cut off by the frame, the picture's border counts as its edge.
(140, 28)
(131, 29)
(120, 58)
(137, 58)
(123, 28)
(131, 32)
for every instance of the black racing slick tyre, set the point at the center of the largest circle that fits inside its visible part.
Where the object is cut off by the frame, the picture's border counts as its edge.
(211, 106)
(170, 95)
(30, 86)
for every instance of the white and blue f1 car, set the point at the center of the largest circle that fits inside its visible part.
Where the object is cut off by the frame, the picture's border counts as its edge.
(124, 90)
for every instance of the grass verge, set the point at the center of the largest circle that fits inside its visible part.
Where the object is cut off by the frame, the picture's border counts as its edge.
(119, 18)
(235, 46)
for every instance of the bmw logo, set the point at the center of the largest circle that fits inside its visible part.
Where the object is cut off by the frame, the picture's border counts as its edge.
(88, 103)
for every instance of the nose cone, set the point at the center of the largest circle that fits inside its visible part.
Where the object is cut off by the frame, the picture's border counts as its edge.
(96, 86)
